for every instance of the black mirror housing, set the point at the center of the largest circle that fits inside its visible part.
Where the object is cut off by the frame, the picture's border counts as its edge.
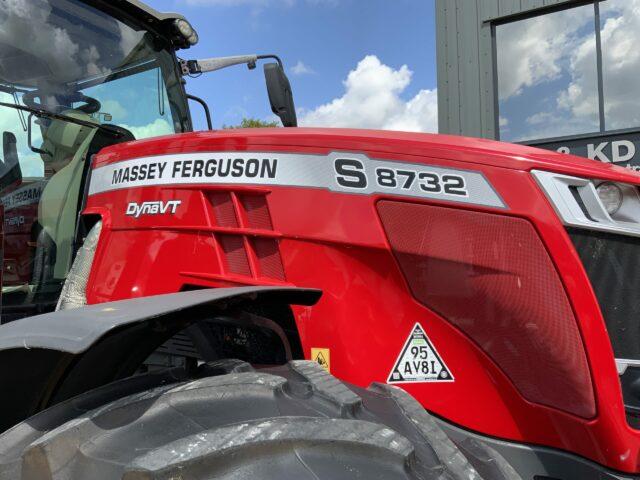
(280, 94)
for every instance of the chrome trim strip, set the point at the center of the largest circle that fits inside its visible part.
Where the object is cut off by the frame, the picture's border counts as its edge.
(623, 363)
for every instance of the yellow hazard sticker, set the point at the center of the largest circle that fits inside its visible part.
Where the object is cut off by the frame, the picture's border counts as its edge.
(322, 356)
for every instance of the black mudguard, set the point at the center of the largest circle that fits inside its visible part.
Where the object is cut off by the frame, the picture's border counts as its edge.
(49, 358)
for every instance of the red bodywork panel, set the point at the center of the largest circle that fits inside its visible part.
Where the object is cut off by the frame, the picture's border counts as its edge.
(20, 219)
(237, 234)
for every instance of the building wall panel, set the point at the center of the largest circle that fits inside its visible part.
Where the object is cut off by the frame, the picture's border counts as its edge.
(442, 58)
(469, 67)
(452, 15)
(488, 127)
(530, 4)
(509, 7)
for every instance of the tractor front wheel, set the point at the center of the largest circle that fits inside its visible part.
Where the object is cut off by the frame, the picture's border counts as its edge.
(230, 421)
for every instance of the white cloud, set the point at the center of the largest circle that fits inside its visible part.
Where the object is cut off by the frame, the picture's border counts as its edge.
(115, 109)
(301, 69)
(154, 129)
(532, 51)
(372, 99)
(539, 118)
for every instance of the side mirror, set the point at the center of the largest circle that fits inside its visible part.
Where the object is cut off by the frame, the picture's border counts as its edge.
(280, 95)
(10, 169)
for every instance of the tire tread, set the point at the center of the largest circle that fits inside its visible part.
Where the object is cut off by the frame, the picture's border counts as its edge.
(297, 414)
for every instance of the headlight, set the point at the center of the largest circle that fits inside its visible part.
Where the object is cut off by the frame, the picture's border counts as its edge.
(611, 196)
(184, 27)
(593, 203)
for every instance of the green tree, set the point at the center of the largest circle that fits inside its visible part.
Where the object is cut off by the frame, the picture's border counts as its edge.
(253, 123)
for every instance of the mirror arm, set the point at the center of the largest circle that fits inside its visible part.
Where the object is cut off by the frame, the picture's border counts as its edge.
(278, 85)
(195, 67)
(207, 113)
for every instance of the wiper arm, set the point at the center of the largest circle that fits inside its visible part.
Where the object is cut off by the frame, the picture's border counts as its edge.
(39, 112)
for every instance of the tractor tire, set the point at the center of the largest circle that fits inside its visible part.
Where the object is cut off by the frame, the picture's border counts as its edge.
(229, 421)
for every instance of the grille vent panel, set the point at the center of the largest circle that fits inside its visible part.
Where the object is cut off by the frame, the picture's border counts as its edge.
(244, 235)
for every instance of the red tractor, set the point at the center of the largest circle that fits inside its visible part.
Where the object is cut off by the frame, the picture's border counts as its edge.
(495, 283)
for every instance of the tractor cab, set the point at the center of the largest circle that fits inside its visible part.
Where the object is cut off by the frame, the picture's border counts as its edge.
(74, 77)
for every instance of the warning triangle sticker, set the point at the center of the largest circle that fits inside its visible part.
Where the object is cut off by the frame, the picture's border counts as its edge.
(321, 360)
(419, 361)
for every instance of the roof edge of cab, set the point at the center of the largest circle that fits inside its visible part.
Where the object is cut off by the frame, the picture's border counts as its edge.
(149, 11)
(161, 22)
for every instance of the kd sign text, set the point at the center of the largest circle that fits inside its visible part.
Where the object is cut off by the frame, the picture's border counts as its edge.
(621, 151)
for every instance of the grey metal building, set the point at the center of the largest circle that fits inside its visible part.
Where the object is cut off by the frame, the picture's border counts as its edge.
(560, 74)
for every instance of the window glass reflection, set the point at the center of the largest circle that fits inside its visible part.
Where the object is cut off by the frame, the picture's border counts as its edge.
(620, 37)
(547, 75)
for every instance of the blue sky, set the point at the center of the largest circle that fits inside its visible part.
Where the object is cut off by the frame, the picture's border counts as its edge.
(351, 63)
(329, 39)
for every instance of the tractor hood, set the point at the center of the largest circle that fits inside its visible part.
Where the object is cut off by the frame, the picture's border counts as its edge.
(374, 143)
(48, 358)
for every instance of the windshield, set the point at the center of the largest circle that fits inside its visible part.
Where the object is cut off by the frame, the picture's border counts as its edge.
(66, 57)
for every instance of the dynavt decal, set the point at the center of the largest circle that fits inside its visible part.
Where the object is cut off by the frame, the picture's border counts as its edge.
(157, 207)
(339, 172)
